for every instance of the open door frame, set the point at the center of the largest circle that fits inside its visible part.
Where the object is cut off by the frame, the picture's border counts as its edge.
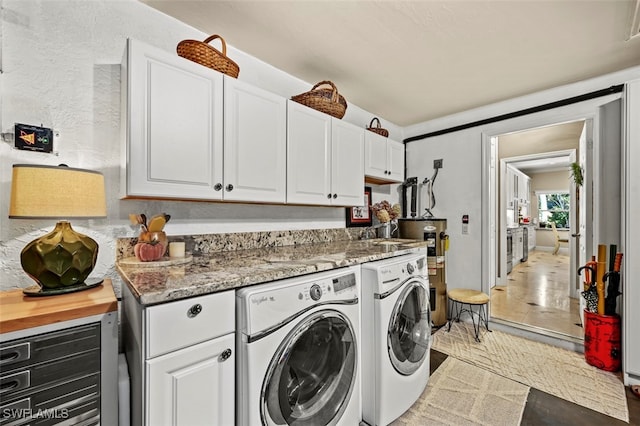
(587, 110)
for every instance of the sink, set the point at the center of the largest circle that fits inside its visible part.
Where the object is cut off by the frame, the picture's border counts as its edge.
(390, 241)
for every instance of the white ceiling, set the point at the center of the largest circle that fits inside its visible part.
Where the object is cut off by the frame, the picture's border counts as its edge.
(411, 61)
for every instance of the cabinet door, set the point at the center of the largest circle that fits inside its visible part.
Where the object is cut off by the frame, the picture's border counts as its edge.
(376, 164)
(395, 159)
(255, 143)
(193, 386)
(308, 155)
(347, 163)
(508, 188)
(174, 126)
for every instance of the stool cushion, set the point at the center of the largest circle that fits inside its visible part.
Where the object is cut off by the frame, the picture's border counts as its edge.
(465, 295)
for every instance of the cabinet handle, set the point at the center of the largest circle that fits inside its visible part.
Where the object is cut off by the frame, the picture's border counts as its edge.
(225, 355)
(335, 195)
(15, 382)
(11, 354)
(194, 310)
(229, 187)
(217, 186)
(329, 196)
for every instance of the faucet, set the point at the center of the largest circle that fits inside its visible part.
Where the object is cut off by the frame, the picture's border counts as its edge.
(366, 233)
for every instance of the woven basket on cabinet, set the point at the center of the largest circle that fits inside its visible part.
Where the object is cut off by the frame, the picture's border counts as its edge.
(378, 129)
(326, 100)
(204, 54)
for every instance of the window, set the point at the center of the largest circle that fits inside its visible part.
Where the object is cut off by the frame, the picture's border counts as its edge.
(553, 207)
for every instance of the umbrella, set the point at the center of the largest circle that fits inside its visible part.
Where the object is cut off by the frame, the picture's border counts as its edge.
(591, 294)
(614, 285)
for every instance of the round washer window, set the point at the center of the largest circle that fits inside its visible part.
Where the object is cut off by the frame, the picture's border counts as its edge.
(311, 376)
(409, 329)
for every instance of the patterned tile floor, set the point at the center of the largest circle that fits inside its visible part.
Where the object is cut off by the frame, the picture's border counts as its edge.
(537, 295)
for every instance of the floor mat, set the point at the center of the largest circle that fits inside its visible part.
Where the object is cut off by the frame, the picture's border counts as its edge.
(554, 370)
(459, 393)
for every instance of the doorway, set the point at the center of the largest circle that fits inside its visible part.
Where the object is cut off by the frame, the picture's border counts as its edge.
(536, 285)
(593, 124)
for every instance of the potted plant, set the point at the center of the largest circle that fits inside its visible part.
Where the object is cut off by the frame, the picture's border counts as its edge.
(576, 174)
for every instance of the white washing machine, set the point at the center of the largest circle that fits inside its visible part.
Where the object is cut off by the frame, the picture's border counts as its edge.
(396, 336)
(298, 354)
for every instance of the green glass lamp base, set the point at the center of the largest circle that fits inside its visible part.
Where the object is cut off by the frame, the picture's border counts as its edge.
(37, 291)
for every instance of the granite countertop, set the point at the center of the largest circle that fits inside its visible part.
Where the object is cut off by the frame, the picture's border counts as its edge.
(227, 270)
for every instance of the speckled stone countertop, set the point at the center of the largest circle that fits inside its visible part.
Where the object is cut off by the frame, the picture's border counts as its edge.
(214, 271)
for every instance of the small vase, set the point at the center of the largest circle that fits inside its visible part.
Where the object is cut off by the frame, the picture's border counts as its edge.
(384, 231)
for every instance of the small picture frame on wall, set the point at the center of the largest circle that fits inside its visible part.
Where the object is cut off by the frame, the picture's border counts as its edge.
(361, 215)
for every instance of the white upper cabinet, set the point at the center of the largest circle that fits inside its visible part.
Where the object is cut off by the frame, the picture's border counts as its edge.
(384, 158)
(511, 187)
(347, 163)
(173, 127)
(194, 133)
(518, 188)
(325, 159)
(255, 143)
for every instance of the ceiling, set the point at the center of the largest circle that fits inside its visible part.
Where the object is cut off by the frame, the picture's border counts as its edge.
(544, 149)
(412, 61)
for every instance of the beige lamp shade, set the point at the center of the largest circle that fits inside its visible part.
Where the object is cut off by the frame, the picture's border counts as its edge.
(56, 192)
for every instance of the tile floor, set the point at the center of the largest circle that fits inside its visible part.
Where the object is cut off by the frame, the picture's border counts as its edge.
(537, 295)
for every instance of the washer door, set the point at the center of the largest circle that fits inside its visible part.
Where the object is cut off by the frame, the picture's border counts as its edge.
(409, 329)
(312, 375)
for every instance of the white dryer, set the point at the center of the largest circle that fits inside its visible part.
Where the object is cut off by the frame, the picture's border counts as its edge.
(396, 336)
(298, 354)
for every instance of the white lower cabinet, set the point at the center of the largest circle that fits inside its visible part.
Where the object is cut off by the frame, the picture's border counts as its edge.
(325, 159)
(181, 358)
(193, 386)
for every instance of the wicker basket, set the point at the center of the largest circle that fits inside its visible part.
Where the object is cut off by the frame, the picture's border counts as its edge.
(324, 100)
(378, 129)
(202, 53)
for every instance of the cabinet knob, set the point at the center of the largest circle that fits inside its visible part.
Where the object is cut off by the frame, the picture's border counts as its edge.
(217, 186)
(194, 310)
(225, 355)
(229, 187)
(335, 195)
(329, 196)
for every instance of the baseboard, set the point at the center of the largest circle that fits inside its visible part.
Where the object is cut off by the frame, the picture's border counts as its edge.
(538, 334)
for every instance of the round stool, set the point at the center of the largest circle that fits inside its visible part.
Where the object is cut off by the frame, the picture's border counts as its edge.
(463, 300)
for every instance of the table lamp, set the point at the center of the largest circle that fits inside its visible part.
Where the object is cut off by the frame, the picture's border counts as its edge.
(61, 260)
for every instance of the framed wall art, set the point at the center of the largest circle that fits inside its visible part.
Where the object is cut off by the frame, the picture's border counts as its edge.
(361, 215)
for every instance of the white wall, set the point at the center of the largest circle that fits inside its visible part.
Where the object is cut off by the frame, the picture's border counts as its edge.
(61, 68)
(466, 184)
(458, 191)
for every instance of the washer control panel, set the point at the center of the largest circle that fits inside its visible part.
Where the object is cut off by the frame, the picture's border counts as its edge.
(315, 292)
(319, 289)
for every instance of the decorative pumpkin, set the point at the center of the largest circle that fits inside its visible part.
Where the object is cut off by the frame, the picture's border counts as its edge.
(148, 252)
(151, 246)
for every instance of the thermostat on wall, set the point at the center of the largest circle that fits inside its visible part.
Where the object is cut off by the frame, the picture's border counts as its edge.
(33, 138)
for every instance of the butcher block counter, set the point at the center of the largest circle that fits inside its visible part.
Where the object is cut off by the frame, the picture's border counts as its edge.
(20, 312)
(214, 271)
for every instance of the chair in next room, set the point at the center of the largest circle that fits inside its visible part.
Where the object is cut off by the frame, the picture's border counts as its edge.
(559, 240)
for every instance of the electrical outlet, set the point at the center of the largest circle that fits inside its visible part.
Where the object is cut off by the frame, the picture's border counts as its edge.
(437, 164)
